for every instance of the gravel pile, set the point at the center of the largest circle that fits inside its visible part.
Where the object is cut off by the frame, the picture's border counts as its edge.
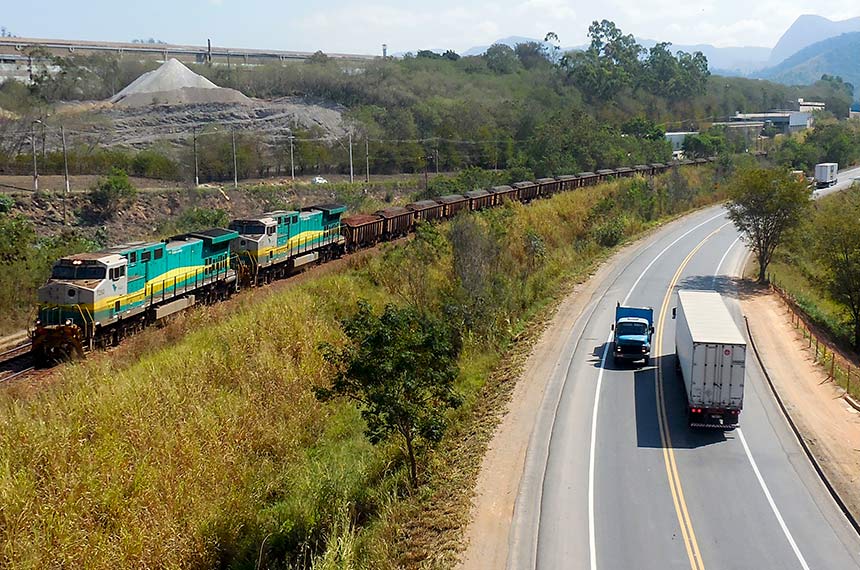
(174, 84)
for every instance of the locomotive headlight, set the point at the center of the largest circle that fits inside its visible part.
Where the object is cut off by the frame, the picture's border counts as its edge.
(68, 322)
(71, 292)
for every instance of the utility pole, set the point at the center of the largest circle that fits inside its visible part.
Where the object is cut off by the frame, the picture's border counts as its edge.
(196, 163)
(235, 170)
(65, 172)
(33, 144)
(351, 171)
(366, 160)
(292, 163)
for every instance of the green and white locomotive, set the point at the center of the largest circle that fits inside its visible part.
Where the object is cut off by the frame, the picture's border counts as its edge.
(94, 299)
(275, 244)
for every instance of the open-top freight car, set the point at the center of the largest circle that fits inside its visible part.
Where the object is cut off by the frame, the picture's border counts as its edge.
(526, 191)
(361, 230)
(587, 179)
(546, 187)
(605, 174)
(479, 199)
(427, 210)
(397, 221)
(454, 203)
(624, 172)
(502, 194)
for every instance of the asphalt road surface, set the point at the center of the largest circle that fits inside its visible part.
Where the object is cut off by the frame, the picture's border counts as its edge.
(614, 478)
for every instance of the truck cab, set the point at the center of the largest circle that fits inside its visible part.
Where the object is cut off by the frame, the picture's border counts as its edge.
(632, 330)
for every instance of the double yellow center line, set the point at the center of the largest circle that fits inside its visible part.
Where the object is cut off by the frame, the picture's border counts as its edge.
(689, 535)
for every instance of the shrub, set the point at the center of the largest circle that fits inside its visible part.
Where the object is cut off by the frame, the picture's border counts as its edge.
(109, 195)
(153, 164)
(6, 203)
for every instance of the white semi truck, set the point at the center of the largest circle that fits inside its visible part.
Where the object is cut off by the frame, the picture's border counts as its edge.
(711, 355)
(826, 174)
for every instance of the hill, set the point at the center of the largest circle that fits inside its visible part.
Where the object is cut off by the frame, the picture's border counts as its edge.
(833, 56)
(807, 30)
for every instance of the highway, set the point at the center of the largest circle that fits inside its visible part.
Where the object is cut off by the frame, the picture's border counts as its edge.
(614, 478)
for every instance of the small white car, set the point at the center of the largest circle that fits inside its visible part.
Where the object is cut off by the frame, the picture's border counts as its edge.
(318, 180)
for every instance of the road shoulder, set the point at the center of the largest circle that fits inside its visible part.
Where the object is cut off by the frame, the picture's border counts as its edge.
(830, 427)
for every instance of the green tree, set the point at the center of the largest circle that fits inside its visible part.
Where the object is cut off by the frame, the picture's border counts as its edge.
(501, 59)
(704, 145)
(764, 204)
(399, 368)
(531, 55)
(16, 238)
(610, 64)
(838, 248)
(110, 194)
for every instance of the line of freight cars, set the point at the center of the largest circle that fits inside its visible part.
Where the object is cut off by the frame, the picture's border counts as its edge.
(95, 299)
(365, 230)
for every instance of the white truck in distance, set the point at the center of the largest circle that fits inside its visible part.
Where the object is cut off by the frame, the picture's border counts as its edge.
(710, 352)
(826, 174)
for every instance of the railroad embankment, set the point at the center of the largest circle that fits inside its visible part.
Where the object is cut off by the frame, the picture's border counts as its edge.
(202, 444)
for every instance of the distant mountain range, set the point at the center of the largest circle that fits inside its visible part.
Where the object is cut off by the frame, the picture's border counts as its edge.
(809, 48)
(839, 55)
(807, 30)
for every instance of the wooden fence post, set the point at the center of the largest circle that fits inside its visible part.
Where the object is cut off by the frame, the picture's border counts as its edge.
(833, 365)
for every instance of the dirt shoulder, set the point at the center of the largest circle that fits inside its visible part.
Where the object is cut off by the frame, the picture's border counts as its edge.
(502, 466)
(828, 424)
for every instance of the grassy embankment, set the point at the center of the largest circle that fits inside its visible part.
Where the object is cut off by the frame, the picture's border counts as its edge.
(202, 445)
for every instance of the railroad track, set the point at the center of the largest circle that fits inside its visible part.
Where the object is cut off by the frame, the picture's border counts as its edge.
(16, 363)
(15, 351)
(6, 377)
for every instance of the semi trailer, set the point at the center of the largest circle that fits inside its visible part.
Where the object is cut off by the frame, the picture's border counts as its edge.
(826, 174)
(710, 352)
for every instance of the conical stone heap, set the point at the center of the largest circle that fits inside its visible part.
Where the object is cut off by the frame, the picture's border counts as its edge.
(174, 84)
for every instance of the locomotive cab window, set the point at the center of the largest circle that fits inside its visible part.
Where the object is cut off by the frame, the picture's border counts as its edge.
(132, 257)
(270, 230)
(158, 253)
(145, 256)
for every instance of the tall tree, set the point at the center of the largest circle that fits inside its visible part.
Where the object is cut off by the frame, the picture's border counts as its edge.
(838, 248)
(501, 58)
(399, 367)
(764, 204)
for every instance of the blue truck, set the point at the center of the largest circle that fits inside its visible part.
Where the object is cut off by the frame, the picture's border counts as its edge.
(632, 329)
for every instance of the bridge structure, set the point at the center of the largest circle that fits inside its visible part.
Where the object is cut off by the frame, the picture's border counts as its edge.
(18, 55)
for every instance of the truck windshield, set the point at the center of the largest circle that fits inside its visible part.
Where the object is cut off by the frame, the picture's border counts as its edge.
(71, 272)
(632, 329)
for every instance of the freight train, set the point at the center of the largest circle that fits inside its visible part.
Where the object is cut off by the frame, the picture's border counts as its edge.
(93, 300)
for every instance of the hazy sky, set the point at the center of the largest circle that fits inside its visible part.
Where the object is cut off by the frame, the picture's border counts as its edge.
(362, 26)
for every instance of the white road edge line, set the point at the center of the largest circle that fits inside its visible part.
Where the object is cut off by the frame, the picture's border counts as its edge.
(758, 474)
(772, 503)
(592, 538)
(722, 260)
